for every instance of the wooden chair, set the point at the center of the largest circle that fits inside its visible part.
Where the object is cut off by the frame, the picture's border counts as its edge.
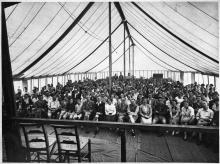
(71, 145)
(36, 142)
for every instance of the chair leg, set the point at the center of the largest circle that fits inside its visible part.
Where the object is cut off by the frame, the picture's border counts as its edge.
(68, 156)
(38, 156)
(79, 157)
(89, 149)
(28, 156)
(48, 156)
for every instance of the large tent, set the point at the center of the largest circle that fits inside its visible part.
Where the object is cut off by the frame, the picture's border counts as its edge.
(174, 36)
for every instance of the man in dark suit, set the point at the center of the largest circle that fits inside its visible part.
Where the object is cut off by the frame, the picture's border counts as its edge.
(98, 114)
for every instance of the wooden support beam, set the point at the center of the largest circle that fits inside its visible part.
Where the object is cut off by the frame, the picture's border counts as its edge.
(124, 125)
(9, 131)
(7, 81)
(123, 145)
(8, 4)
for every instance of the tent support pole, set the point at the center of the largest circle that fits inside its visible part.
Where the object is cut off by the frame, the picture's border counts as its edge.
(133, 58)
(31, 84)
(215, 81)
(129, 52)
(110, 50)
(124, 53)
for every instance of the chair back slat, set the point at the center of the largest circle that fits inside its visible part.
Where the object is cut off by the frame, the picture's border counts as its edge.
(35, 132)
(68, 142)
(35, 138)
(67, 136)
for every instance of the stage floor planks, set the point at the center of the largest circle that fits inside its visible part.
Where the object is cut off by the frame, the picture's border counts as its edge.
(144, 147)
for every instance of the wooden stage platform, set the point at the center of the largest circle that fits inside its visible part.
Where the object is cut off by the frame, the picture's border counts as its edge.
(146, 147)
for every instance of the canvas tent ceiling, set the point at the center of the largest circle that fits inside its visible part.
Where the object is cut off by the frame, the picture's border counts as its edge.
(181, 36)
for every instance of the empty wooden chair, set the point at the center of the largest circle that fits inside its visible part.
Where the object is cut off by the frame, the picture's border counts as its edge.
(36, 142)
(70, 145)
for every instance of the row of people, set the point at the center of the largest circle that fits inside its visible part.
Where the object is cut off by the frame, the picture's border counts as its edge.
(138, 100)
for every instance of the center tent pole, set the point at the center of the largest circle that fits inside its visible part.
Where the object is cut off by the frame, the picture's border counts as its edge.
(124, 53)
(133, 58)
(110, 50)
(129, 52)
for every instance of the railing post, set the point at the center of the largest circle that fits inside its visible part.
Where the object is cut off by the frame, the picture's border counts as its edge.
(123, 146)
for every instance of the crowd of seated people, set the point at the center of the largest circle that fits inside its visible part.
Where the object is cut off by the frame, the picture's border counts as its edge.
(147, 101)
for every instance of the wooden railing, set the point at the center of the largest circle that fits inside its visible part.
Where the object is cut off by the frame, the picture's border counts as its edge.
(122, 127)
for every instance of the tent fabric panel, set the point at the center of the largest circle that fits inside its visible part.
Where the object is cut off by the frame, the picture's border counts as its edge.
(34, 26)
(42, 41)
(177, 29)
(211, 64)
(200, 18)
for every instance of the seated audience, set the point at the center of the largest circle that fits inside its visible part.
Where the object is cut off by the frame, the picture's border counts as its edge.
(110, 110)
(122, 109)
(53, 107)
(145, 112)
(160, 112)
(187, 116)
(204, 117)
(40, 108)
(98, 114)
(174, 114)
(90, 100)
(77, 114)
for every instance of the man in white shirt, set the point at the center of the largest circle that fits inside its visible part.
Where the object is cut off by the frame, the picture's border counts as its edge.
(187, 116)
(204, 117)
(110, 110)
(53, 106)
